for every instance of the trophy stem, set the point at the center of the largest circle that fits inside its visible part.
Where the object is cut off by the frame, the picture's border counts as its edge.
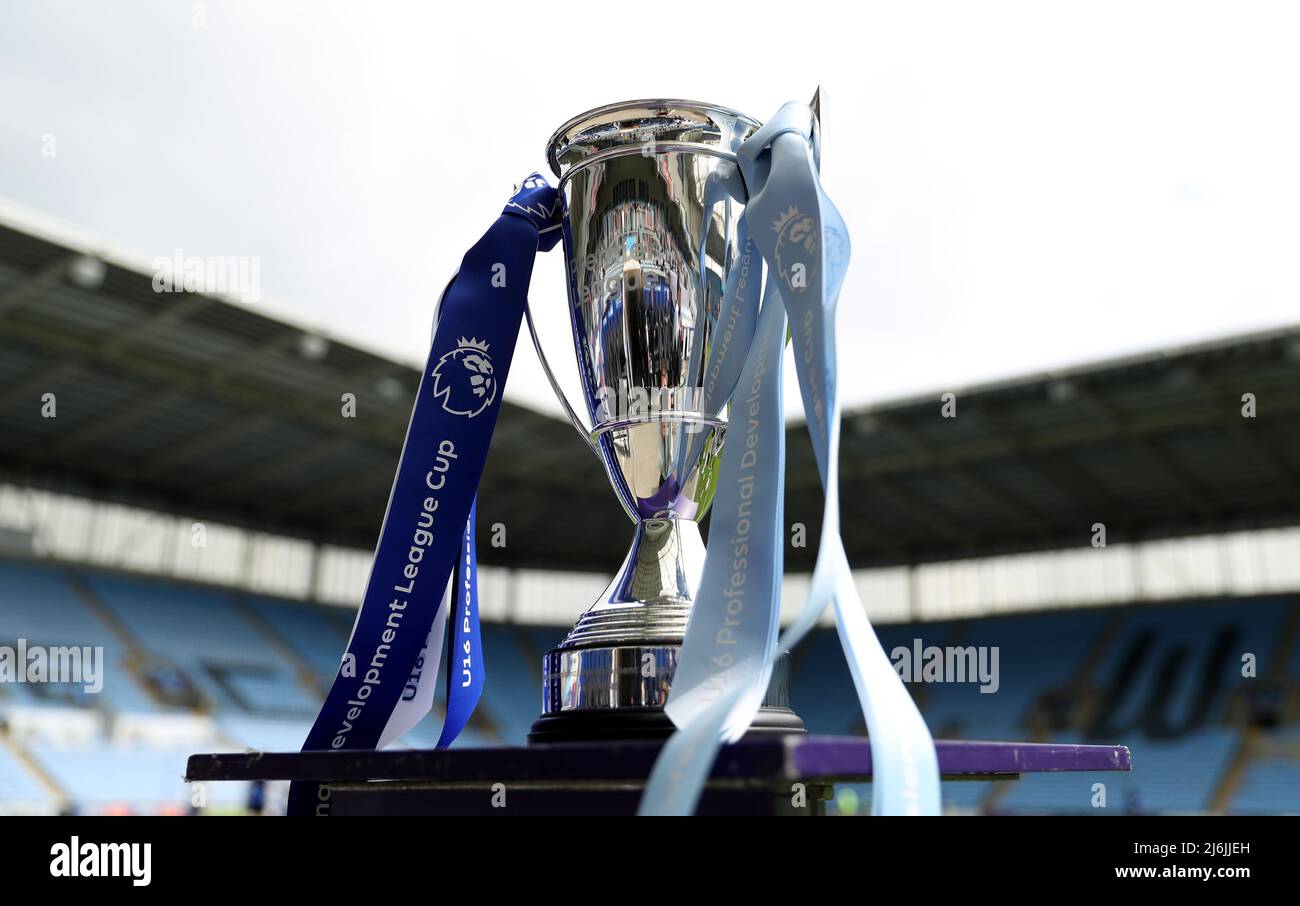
(611, 676)
(650, 598)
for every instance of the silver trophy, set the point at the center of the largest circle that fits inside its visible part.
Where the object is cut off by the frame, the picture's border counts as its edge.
(650, 236)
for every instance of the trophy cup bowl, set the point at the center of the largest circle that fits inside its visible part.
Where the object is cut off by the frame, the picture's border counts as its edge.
(650, 236)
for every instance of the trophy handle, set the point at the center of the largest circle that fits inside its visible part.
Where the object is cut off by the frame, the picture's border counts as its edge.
(583, 431)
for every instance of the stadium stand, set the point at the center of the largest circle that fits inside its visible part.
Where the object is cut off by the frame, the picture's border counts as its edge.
(248, 431)
(1165, 679)
(189, 409)
(19, 791)
(234, 665)
(1264, 779)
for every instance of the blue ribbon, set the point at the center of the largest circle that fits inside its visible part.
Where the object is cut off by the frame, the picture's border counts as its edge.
(430, 505)
(465, 673)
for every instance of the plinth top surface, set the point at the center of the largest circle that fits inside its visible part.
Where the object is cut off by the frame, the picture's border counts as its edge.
(828, 758)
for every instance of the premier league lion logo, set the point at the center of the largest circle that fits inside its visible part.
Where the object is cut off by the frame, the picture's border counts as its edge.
(797, 253)
(464, 378)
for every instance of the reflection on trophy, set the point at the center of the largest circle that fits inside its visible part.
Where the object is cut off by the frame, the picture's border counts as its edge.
(650, 238)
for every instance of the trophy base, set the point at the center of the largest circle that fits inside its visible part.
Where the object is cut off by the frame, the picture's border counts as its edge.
(650, 723)
(610, 693)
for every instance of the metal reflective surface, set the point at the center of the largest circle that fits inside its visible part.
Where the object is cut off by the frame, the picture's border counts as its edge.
(628, 677)
(650, 237)
(651, 191)
(652, 592)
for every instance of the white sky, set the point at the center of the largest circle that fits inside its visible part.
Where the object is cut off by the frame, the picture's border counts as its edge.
(1027, 185)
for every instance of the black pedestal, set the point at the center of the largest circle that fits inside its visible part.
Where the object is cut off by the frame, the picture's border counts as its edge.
(776, 774)
(643, 723)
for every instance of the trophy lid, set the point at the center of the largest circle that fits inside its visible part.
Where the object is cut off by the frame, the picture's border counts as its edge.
(623, 128)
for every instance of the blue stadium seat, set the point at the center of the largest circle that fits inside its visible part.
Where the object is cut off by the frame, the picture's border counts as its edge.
(263, 734)
(1260, 787)
(318, 633)
(1178, 776)
(1182, 663)
(1035, 654)
(821, 688)
(1157, 636)
(19, 791)
(39, 605)
(236, 666)
(143, 780)
(513, 691)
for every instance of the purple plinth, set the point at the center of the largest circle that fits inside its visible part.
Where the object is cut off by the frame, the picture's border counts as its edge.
(815, 758)
(840, 757)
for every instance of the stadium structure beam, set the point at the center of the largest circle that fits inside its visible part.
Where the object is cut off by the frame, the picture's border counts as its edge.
(40, 382)
(987, 487)
(1156, 424)
(18, 295)
(931, 518)
(855, 519)
(27, 288)
(135, 411)
(287, 462)
(168, 459)
(1192, 491)
(1277, 469)
(927, 520)
(115, 345)
(316, 411)
(1085, 491)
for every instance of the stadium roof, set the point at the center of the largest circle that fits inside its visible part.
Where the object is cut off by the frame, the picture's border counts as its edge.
(197, 404)
(207, 406)
(1152, 446)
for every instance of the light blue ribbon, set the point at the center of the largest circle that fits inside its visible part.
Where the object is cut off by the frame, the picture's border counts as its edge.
(726, 658)
(723, 674)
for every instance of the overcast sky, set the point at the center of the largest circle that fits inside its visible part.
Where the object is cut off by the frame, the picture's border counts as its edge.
(1027, 185)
